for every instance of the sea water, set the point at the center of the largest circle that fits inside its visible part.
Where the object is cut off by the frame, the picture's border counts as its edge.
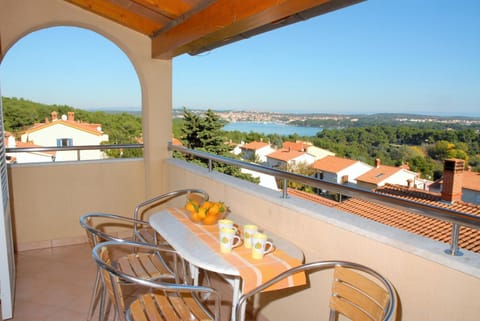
(271, 128)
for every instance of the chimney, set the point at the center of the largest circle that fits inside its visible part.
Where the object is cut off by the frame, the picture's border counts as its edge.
(410, 183)
(54, 115)
(71, 116)
(378, 162)
(452, 180)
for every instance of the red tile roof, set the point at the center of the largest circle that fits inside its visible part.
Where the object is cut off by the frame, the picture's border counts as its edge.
(255, 145)
(427, 198)
(471, 180)
(378, 174)
(333, 164)
(438, 230)
(90, 128)
(298, 145)
(285, 155)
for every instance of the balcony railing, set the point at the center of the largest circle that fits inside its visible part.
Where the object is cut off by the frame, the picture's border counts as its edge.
(455, 218)
(78, 149)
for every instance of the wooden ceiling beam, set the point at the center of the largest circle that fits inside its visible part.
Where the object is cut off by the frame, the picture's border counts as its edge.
(169, 8)
(225, 19)
(130, 17)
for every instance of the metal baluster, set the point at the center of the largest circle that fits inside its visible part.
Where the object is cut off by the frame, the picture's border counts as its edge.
(453, 250)
(284, 189)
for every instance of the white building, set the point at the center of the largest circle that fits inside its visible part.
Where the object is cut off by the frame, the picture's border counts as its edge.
(65, 131)
(339, 170)
(256, 151)
(287, 158)
(302, 146)
(384, 174)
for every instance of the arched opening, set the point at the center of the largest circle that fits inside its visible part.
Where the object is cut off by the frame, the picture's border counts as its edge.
(72, 71)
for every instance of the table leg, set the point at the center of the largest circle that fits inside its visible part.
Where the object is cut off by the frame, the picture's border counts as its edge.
(195, 273)
(237, 293)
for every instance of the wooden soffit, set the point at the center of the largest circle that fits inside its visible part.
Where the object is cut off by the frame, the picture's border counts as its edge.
(194, 26)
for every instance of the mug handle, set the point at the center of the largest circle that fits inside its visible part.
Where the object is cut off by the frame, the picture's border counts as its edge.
(237, 240)
(270, 247)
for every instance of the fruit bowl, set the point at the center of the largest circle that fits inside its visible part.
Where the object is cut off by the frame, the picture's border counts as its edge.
(207, 212)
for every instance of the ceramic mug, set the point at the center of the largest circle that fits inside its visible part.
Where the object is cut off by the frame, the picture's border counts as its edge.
(228, 240)
(248, 231)
(261, 246)
(226, 223)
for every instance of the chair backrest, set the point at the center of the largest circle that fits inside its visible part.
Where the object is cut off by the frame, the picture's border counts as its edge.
(112, 282)
(96, 231)
(356, 296)
(113, 277)
(358, 292)
(140, 211)
(197, 194)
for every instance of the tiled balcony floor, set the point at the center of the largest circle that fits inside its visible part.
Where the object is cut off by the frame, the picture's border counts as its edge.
(55, 284)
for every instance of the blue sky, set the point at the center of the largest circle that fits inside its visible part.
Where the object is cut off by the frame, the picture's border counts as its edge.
(416, 56)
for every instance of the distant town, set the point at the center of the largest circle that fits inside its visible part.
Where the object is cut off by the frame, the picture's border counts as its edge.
(256, 116)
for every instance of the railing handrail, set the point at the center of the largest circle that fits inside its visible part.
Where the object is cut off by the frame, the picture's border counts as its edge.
(70, 148)
(452, 216)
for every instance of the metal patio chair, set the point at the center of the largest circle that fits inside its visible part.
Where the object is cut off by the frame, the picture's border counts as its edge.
(358, 292)
(147, 234)
(159, 299)
(160, 264)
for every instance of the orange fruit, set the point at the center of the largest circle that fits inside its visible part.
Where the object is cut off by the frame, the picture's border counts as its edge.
(190, 207)
(210, 219)
(214, 210)
(202, 212)
(195, 217)
(206, 205)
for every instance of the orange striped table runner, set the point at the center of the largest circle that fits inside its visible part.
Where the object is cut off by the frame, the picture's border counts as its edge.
(253, 272)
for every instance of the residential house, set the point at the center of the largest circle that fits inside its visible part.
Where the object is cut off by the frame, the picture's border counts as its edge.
(256, 151)
(317, 152)
(65, 131)
(384, 174)
(289, 158)
(339, 170)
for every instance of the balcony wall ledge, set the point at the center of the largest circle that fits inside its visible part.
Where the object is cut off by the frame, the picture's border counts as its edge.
(76, 162)
(425, 248)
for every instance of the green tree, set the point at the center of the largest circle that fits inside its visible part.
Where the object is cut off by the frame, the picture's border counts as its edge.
(203, 132)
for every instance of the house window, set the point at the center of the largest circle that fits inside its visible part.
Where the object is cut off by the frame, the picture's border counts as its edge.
(64, 142)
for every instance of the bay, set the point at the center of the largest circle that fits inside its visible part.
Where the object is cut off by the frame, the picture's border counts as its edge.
(271, 128)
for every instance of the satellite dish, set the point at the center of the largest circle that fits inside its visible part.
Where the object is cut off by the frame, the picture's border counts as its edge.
(64, 117)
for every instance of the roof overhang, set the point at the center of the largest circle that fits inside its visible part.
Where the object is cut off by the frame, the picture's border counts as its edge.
(195, 26)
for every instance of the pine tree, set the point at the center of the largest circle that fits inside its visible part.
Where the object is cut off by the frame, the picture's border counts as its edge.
(204, 132)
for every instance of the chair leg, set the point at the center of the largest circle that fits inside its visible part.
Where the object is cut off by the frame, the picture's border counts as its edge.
(95, 298)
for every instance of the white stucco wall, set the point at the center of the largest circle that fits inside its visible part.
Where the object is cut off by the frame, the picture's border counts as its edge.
(399, 178)
(353, 172)
(48, 137)
(263, 152)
